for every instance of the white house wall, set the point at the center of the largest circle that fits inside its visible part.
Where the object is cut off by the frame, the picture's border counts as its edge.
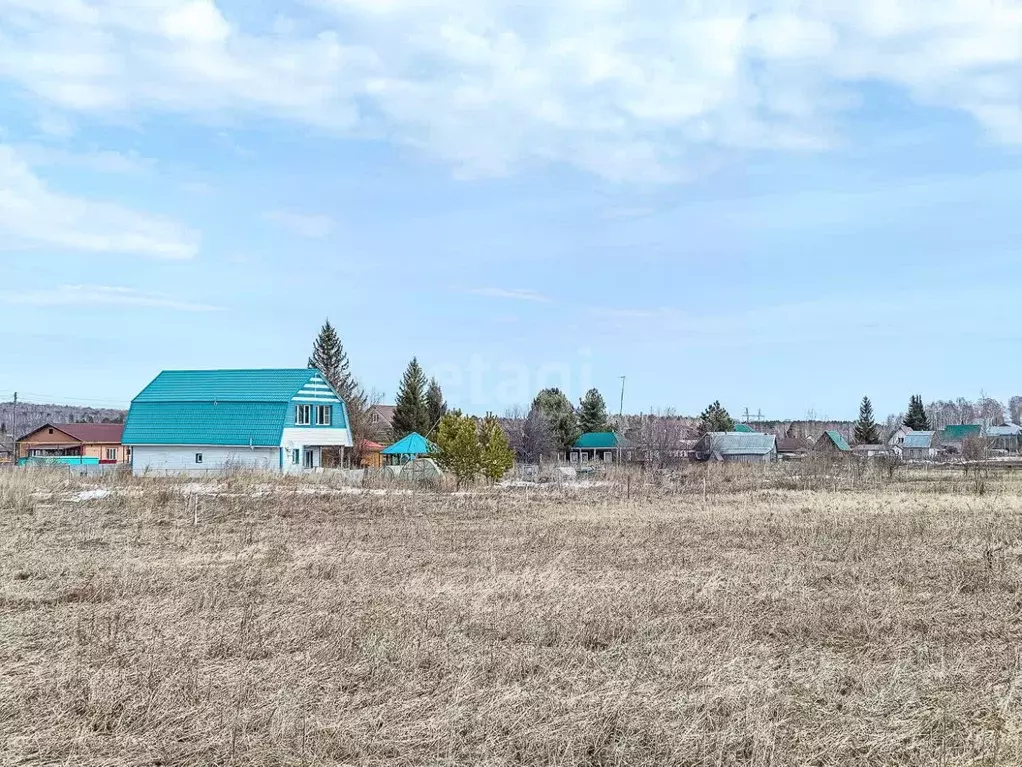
(296, 436)
(178, 459)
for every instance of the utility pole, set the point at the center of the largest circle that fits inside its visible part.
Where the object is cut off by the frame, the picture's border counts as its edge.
(621, 409)
(14, 431)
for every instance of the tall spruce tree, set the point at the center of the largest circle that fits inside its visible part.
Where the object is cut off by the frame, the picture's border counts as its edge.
(916, 418)
(715, 419)
(561, 416)
(866, 431)
(436, 408)
(330, 359)
(592, 412)
(411, 412)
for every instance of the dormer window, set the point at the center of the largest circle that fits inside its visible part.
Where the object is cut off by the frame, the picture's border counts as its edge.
(303, 415)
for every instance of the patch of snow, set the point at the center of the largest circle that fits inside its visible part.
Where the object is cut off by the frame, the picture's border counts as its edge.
(90, 495)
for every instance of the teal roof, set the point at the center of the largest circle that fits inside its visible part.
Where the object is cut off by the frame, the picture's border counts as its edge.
(838, 439)
(600, 440)
(413, 444)
(226, 385)
(961, 432)
(741, 428)
(224, 407)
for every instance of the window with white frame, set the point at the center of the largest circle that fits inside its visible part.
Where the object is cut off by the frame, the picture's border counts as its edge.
(303, 415)
(111, 453)
(198, 457)
(296, 457)
(323, 415)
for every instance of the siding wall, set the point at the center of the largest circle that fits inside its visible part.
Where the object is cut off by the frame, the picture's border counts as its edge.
(177, 459)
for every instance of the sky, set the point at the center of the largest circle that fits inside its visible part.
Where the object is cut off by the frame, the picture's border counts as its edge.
(781, 205)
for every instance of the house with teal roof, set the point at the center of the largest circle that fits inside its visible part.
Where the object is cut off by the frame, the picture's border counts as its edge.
(197, 421)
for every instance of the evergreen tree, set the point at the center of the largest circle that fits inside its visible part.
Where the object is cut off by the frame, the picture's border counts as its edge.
(715, 419)
(459, 450)
(866, 431)
(436, 408)
(592, 413)
(916, 418)
(410, 413)
(330, 359)
(497, 457)
(561, 416)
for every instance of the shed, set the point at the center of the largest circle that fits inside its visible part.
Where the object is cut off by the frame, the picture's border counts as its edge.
(408, 449)
(601, 446)
(371, 454)
(737, 447)
(1007, 438)
(919, 446)
(196, 421)
(832, 441)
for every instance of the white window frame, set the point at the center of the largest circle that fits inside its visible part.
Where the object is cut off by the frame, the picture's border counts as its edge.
(198, 457)
(111, 453)
(296, 456)
(322, 410)
(303, 415)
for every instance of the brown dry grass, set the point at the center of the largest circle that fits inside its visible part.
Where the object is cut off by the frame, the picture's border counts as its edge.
(302, 626)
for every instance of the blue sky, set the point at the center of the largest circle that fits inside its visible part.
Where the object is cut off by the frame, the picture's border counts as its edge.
(782, 205)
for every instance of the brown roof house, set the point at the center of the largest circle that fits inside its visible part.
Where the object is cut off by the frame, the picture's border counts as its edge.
(64, 442)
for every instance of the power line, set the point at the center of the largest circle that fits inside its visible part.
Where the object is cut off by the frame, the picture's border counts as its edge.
(55, 399)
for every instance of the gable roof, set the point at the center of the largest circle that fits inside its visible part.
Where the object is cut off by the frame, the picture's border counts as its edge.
(108, 433)
(413, 444)
(961, 432)
(1008, 430)
(919, 439)
(741, 428)
(601, 440)
(740, 443)
(838, 439)
(224, 407)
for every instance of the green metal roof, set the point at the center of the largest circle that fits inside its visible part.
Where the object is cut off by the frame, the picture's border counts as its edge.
(413, 444)
(838, 440)
(600, 440)
(226, 385)
(741, 428)
(225, 407)
(961, 432)
(258, 424)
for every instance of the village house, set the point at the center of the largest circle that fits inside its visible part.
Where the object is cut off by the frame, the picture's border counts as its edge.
(736, 447)
(952, 438)
(74, 443)
(1007, 438)
(196, 421)
(601, 446)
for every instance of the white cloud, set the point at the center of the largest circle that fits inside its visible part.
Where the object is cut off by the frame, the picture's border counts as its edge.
(310, 225)
(627, 89)
(104, 295)
(99, 160)
(32, 214)
(510, 294)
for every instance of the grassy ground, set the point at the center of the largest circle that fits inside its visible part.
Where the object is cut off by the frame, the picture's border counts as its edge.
(643, 624)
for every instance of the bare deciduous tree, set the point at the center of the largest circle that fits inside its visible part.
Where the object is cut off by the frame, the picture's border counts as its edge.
(662, 435)
(530, 434)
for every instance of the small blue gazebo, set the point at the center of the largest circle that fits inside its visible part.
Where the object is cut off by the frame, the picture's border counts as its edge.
(408, 449)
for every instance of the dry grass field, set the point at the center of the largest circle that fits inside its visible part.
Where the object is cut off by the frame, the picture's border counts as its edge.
(243, 623)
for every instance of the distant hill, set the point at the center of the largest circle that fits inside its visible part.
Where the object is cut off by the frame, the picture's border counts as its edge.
(31, 416)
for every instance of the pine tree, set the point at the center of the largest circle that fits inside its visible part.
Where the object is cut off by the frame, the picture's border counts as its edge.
(436, 408)
(866, 431)
(715, 419)
(459, 450)
(410, 413)
(592, 413)
(496, 457)
(916, 418)
(561, 416)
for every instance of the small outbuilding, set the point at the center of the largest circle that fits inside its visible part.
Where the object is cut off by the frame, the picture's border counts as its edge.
(1007, 438)
(736, 447)
(919, 446)
(371, 454)
(832, 441)
(601, 446)
(407, 449)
